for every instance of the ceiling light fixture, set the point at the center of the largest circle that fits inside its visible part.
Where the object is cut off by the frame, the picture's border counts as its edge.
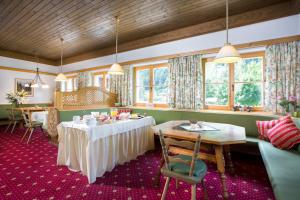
(116, 68)
(227, 54)
(61, 77)
(37, 81)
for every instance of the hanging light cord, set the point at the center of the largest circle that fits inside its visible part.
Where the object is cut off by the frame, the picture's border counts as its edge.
(117, 34)
(61, 54)
(227, 22)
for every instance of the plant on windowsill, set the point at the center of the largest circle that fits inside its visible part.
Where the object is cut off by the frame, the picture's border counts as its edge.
(16, 98)
(288, 105)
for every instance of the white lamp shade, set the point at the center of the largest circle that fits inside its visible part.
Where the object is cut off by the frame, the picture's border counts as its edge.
(45, 86)
(61, 77)
(34, 85)
(116, 69)
(227, 54)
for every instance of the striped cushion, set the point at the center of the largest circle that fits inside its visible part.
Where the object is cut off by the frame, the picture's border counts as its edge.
(264, 126)
(284, 134)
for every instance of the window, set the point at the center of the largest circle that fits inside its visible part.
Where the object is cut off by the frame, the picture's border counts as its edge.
(216, 84)
(239, 83)
(160, 85)
(70, 85)
(107, 85)
(248, 82)
(101, 79)
(143, 86)
(151, 85)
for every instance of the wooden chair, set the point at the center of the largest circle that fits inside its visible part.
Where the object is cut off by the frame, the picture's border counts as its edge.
(189, 169)
(13, 119)
(30, 125)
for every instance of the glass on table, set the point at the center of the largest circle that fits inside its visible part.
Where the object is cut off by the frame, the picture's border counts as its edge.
(76, 119)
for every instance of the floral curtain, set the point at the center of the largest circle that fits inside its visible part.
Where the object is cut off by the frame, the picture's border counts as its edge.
(282, 74)
(122, 85)
(185, 89)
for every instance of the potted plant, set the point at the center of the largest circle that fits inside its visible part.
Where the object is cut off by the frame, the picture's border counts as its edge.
(288, 105)
(16, 98)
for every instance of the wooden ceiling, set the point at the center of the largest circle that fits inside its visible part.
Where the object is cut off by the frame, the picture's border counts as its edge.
(87, 26)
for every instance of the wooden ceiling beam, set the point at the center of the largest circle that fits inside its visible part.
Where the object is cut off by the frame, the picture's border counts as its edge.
(206, 51)
(250, 17)
(22, 56)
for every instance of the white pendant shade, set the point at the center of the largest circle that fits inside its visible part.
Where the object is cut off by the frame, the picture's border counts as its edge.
(35, 85)
(227, 54)
(61, 77)
(116, 69)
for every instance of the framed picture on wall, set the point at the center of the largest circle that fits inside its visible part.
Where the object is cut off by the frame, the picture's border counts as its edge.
(24, 84)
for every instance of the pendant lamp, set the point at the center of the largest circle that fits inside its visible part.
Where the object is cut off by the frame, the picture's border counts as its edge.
(61, 77)
(227, 54)
(37, 81)
(116, 68)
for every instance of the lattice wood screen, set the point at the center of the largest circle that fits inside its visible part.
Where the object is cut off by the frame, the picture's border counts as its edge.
(89, 97)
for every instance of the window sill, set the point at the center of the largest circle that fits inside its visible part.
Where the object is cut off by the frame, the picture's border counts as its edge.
(254, 113)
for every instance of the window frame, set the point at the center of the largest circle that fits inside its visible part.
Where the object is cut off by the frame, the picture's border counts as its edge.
(65, 83)
(231, 82)
(151, 84)
(104, 82)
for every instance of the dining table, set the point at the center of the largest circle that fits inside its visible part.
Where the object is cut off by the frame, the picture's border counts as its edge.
(95, 149)
(215, 144)
(39, 114)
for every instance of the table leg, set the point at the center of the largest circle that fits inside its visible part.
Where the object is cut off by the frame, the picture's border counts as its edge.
(228, 159)
(157, 176)
(221, 168)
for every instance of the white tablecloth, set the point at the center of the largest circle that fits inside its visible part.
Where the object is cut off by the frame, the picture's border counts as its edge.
(40, 117)
(97, 149)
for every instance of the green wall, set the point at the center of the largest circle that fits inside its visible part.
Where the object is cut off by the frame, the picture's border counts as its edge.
(4, 107)
(245, 120)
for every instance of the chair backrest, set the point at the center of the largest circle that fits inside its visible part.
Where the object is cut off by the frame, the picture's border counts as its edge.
(26, 117)
(194, 146)
(10, 113)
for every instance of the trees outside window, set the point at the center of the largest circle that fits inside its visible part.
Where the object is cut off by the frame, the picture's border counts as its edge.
(240, 83)
(152, 85)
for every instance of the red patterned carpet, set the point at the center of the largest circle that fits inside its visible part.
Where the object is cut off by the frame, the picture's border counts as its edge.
(30, 172)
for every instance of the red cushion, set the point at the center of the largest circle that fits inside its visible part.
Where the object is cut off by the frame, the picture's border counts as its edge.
(284, 134)
(264, 126)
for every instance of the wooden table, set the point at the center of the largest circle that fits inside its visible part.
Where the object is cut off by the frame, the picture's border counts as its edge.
(216, 144)
(30, 110)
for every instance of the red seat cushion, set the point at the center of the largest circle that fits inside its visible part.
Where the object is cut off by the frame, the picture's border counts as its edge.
(285, 134)
(264, 126)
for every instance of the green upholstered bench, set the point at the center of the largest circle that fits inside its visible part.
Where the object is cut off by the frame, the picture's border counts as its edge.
(283, 169)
